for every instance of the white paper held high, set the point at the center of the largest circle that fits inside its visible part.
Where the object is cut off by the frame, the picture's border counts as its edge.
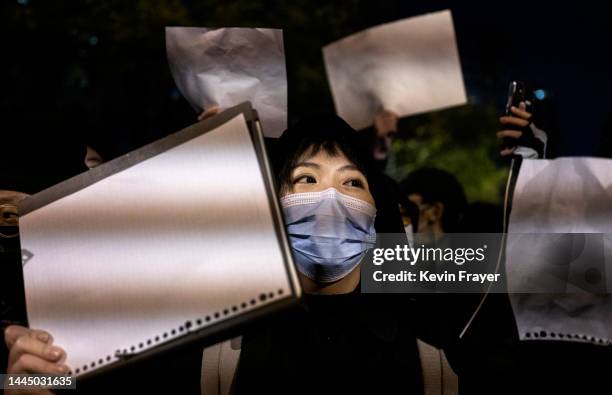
(409, 66)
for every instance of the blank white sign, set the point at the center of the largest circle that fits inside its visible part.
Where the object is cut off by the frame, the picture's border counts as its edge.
(550, 271)
(409, 67)
(123, 264)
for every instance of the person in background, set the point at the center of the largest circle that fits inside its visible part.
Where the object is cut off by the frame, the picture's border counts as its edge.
(439, 197)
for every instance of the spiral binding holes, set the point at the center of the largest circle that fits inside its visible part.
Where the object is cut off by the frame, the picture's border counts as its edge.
(568, 336)
(186, 327)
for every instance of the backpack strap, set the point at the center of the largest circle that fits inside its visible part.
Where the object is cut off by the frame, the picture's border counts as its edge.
(219, 365)
(438, 377)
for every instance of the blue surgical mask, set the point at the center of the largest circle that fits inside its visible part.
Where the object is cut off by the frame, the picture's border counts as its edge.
(329, 232)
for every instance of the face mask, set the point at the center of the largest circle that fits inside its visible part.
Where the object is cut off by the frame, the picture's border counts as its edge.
(329, 232)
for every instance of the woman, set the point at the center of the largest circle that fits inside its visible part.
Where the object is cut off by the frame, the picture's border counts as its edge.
(343, 342)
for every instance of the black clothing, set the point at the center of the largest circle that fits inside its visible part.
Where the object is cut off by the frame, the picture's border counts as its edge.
(342, 344)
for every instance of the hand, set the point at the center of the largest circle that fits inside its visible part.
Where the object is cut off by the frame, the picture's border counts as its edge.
(528, 141)
(92, 158)
(519, 119)
(385, 123)
(209, 112)
(32, 351)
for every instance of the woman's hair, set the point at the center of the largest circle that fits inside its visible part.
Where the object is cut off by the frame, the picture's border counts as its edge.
(329, 134)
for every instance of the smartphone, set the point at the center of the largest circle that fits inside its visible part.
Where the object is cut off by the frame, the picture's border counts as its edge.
(517, 93)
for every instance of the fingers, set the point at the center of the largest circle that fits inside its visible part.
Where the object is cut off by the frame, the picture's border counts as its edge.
(33, 364)
(32, 350)
(514, 134)
(520, 112)
(520, 119)
(41, 335)
(14, 332)
(514, 121)
(209, 112)
(32, 346)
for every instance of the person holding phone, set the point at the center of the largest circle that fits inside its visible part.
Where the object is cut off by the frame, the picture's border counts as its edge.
(520, 135)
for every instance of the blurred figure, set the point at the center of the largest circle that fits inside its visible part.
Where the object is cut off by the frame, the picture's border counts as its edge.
(379, 137)
(439, 198)
(385, 125)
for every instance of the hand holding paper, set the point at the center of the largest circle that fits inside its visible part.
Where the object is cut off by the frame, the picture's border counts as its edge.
(139, 253)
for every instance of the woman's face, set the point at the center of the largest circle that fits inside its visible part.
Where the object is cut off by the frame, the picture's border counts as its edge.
(315, 173)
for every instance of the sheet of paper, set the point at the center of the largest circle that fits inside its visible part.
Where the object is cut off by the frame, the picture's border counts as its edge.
(559, 250)
(410, 66)
(124, 263)
(228, 66)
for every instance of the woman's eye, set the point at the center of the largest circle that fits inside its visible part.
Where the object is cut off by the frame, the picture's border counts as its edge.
(355, 183)
(305, 180)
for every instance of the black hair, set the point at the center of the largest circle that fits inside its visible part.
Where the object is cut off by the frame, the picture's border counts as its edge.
(436, 185)
(327, 133)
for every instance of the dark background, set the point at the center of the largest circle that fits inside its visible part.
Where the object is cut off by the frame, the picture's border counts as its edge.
(95, 71)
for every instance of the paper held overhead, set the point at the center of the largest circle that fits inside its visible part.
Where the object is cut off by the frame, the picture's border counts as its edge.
(228, 66)
(559, 250)
(410, 66)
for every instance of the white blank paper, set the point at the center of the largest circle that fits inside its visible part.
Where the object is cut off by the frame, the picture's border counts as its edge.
(559, 278)
(228, 66)
(410, 66)
(178, 237)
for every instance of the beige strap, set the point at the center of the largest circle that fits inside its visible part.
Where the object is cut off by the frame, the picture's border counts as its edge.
(209, 379)
(450, 381)
(438, 377)
(219, 364)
